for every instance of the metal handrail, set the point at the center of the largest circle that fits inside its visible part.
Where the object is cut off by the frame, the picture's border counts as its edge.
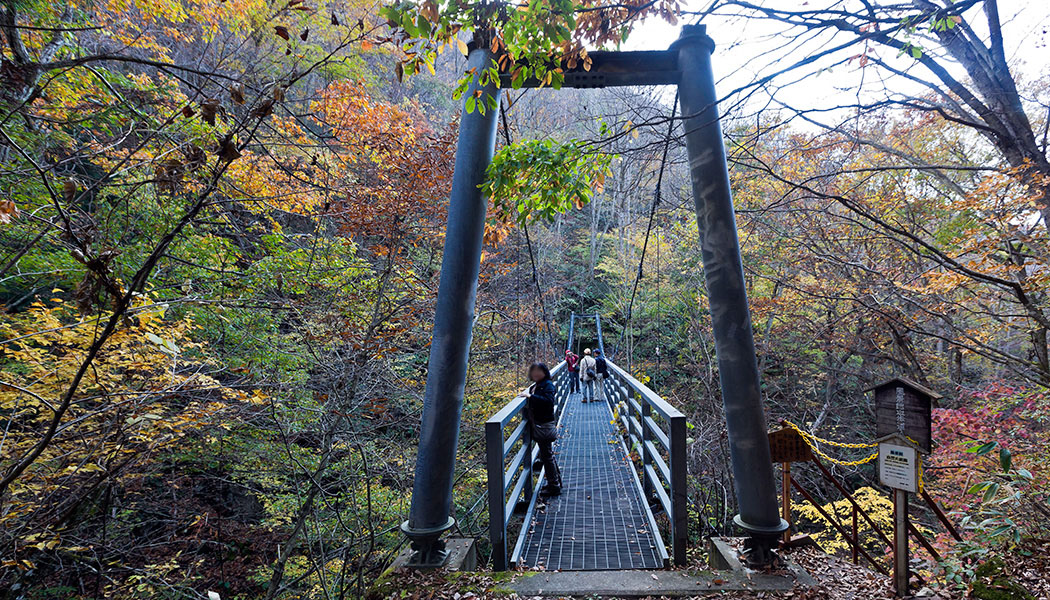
(517, 477)
(662, 450)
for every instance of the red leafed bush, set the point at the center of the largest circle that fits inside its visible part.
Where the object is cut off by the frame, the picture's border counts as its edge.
(1013, 417)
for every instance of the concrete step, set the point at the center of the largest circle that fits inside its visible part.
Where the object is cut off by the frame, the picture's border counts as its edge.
(641, 584)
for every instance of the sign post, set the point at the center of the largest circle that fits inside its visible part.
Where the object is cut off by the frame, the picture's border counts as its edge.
(900, 543)
(899, 469)
(902, 419)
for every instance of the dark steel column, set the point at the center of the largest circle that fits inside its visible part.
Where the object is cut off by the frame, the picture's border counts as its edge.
(572, 330)
(429, 515)
(730, 317)
(598, 326)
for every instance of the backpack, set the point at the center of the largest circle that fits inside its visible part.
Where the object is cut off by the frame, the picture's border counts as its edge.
(590, 374)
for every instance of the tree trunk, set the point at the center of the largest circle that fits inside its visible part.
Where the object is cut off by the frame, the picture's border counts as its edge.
(1042, 355)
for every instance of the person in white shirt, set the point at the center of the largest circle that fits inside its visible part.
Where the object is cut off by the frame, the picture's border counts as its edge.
(588, 375)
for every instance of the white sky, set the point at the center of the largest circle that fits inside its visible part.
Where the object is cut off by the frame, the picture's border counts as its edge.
(747, 49)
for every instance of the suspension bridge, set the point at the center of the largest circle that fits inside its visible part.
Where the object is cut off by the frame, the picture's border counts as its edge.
(625, 499)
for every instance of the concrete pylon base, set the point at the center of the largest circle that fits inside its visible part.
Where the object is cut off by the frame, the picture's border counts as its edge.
(462, 556)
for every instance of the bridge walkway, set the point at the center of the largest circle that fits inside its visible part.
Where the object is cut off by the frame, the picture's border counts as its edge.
(600, 521)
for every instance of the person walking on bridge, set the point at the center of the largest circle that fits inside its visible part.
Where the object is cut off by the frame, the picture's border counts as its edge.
(601, 369)
(572, 361)
(588, 375)
(539, 411)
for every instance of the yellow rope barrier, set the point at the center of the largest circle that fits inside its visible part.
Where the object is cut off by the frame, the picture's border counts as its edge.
(812, 441)
(807, 435)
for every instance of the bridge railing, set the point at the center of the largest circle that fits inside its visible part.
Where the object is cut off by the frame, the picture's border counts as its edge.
(511, 482)
(657, 431)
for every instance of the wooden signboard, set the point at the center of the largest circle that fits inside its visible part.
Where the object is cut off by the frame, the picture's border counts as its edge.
(787, 446)
(899, 465)
(902, 407)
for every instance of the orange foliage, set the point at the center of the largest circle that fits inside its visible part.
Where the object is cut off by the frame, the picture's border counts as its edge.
(390, 173)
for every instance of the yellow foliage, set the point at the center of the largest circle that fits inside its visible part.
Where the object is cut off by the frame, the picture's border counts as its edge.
(147, 388)
(875, 503)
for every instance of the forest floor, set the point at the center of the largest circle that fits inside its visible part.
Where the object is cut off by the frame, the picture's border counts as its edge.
(836, 579)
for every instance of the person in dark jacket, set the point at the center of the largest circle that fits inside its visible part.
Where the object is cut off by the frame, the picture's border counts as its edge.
(601, 368)
(540, 405)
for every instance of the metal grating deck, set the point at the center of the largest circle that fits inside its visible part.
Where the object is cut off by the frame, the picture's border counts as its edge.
(599, 521)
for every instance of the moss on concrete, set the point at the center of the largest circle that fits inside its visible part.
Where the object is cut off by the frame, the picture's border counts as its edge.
(992, 583)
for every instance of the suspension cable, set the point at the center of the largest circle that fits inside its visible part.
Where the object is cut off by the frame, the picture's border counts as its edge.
(657, 195)
(528, 245)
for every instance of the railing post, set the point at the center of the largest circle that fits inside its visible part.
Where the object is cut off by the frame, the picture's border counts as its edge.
(497, 517)
(856, 539)
(647, 459)
(679, 499)
(559, 393)
(598, 326)
(572, 331)
(527, 466)
(632, 412)
(785, 496)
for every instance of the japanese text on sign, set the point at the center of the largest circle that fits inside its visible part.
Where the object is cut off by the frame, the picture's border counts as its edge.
(899, 467)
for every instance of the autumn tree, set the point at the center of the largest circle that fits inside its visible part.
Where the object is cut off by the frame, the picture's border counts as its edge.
(923, 69)
(202, 205)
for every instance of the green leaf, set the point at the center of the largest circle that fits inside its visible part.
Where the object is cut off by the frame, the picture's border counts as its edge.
(1005, 460)
(409, 25)
(980, 449)
(422, 26)
(998, 531)
(990, 492)
(977, 487)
